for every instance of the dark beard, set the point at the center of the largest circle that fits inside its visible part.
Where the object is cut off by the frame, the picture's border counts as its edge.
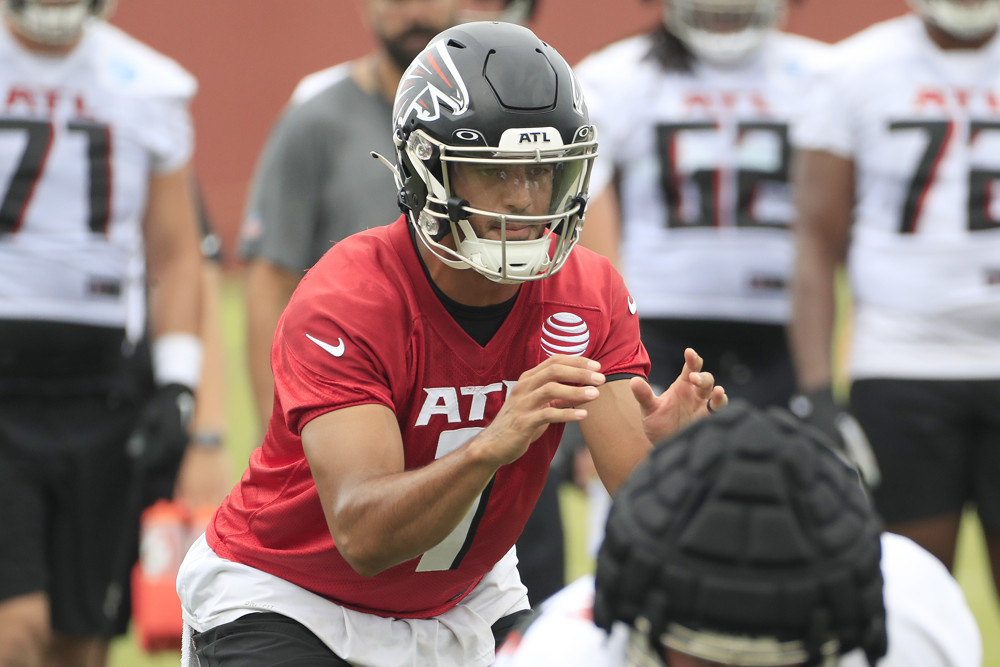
(399, 50)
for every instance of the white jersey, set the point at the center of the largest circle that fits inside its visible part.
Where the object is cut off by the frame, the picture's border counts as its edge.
(703, 162)
(922, 127)
(928, 621)
(79, 138)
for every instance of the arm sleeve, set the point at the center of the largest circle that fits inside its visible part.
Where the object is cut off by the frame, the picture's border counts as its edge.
(169, 132)
(824, 121)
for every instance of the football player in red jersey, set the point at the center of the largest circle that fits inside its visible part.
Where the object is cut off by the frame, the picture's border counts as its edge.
(423, 373)
(335, 117)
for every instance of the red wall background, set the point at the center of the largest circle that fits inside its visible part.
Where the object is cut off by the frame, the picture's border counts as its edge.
(249, 54)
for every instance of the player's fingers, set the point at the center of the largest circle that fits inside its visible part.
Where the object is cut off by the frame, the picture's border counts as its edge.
(704, 381)
(532, 422)
(554, 415)
(562, 403)
(578, 372)
(559, 394)
(569, 360)
(692, 361)
(718, 399)
(643, 393)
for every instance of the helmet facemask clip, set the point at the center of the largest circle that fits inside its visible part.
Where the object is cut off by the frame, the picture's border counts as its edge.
(458, 209)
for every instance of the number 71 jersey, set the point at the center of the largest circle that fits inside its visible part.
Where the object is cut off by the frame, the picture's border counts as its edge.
(922, 127)
(80, 137)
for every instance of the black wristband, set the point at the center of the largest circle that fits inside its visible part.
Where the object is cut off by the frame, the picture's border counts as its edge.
(810, 404)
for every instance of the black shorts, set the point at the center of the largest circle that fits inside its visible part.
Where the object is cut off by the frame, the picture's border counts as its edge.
(750, 360)
(64, 478)
(937, 443)
(265, 639)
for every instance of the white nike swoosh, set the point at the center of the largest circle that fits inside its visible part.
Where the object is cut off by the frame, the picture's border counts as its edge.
(631, 305)
(336, 350)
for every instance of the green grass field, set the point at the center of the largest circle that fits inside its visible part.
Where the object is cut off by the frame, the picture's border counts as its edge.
(972, 569)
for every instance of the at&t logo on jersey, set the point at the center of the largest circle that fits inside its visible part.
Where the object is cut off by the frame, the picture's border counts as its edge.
(565, 333)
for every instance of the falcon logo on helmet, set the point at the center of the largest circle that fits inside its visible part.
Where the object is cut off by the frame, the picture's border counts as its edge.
(432, 80)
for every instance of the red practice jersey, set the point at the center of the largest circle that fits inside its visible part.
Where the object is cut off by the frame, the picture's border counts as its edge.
(365, 326)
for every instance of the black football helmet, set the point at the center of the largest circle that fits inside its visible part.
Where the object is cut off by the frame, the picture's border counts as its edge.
(494, 96)
(745, 540)
(54, 22)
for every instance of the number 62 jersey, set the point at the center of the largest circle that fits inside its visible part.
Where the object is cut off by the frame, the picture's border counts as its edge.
(922, 127)
(701, 159)
(80, 136)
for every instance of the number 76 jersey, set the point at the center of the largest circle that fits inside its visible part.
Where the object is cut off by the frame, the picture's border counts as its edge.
(922, 127)
(80, 137)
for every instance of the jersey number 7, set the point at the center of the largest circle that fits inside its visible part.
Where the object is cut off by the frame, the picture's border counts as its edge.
(448, 553)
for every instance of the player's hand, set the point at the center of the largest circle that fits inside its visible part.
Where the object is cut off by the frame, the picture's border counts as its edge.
(819, 409)
(161, 432)
(550, 393)
(685, 400)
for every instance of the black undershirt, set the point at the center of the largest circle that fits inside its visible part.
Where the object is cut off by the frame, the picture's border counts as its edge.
(480, 322)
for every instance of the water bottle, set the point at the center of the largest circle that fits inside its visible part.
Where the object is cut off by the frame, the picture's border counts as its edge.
(156, 609)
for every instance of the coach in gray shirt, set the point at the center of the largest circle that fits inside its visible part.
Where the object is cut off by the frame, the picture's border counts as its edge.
(316, 182)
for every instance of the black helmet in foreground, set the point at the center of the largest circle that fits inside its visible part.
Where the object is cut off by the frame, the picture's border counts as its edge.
(744, 540)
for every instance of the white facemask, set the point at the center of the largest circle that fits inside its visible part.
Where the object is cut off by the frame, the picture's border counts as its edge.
(962, 20)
